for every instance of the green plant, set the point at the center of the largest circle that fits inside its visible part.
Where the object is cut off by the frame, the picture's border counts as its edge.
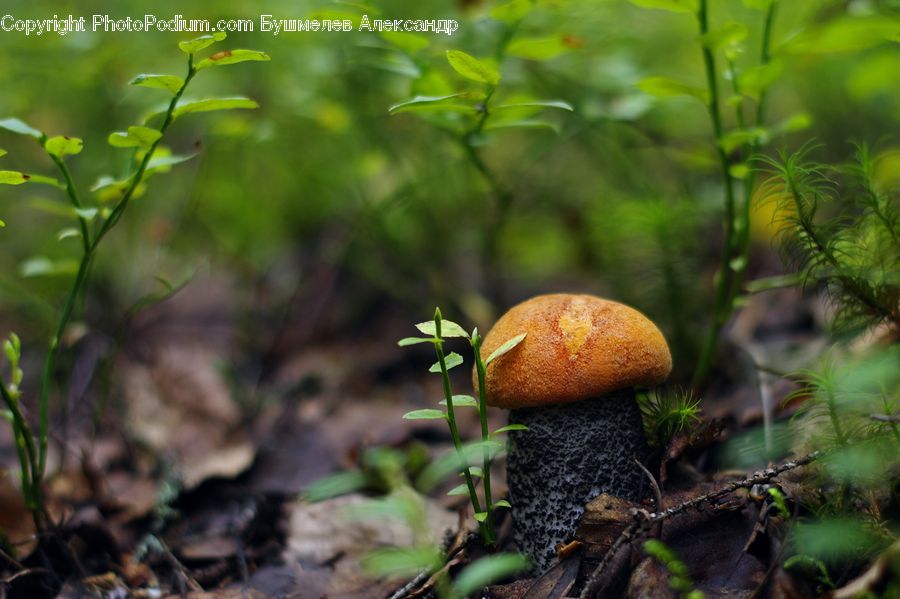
(840, 228)
(667, 413)
(424, 556)
(811, 564)
(440, 329)
(679, 578)
(95, 220)
(468, 116)
(733, 148)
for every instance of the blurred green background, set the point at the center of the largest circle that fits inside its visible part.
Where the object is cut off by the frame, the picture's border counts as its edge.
(619, 197)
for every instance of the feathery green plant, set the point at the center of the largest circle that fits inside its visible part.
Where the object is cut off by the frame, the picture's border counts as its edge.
(95, 220)
(667, 413)
(841, 229)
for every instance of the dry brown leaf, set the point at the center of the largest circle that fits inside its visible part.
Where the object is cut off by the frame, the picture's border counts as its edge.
(180, 406)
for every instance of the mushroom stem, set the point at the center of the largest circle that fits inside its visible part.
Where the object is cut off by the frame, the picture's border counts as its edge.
(570, 454)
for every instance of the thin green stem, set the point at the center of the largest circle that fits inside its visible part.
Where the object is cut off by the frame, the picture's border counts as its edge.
(90, 249)
(24, 441)
(485, 432)
(486, 529)
(721, 306)
(72, 192)
(744, 233)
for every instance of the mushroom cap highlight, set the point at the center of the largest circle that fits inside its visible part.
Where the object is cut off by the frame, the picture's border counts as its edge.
(577, 347)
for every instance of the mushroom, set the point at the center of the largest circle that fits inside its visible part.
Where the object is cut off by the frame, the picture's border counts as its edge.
(572, 382)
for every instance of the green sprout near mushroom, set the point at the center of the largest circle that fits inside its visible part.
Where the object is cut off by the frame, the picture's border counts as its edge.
(439, 330)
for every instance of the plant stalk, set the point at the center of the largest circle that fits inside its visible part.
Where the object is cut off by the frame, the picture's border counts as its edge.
(485, 527)
(485, 432)
(736, 245)
(90, 248)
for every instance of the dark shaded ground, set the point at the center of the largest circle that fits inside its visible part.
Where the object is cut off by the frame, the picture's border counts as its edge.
(185, 457)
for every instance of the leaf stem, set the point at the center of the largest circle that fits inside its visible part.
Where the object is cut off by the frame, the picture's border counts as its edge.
(721, 305)
(485, 432)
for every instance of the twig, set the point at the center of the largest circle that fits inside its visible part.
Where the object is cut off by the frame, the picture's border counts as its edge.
(636, 529)
(643, 519)
(426, 578)
(412, 585)
(656, 491)
(885, 417)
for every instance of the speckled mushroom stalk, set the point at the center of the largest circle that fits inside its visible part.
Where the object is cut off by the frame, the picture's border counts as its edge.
(571, 382)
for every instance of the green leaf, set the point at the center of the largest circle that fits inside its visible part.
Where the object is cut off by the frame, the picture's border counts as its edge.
(168, 82)
(458, 490)
(488, 569)
(408, 42)
(538, 48)
(430, 103)
(756, 80)
(511, 427)
(2, 224)
(210, 104)
(163, 162)
(68, 233)
(452, 360)
(3, 152)
(727, 35)
(474, 471)
(62, 145)
(461, 401)
(494, 124)
(199, 43)
(796, 122)
(739, 171)
(739, 137)
(672, 5)
(87, 214)
(471, 68)
(43, 180)
(136, 137)
(335, 485)
(43, 266)
(414, 340)
(562, 105)
(13, 178)
(226, 57)
(846, 34)
(511, 12)
(396, 562)
(426, 414)
(20, 127)
(481, 516)
(502, 503)
(448, 329)
(664, 87)
(505, 348)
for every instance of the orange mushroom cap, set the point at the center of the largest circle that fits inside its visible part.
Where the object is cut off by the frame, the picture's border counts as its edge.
(576, 347)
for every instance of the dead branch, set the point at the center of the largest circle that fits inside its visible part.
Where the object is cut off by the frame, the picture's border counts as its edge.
(643, 519)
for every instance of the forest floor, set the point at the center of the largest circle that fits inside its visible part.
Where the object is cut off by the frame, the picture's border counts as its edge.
(189, 480)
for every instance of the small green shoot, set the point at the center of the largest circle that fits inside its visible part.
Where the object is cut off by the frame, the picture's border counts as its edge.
(440, 329)
(668, 413)
(679, 577)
